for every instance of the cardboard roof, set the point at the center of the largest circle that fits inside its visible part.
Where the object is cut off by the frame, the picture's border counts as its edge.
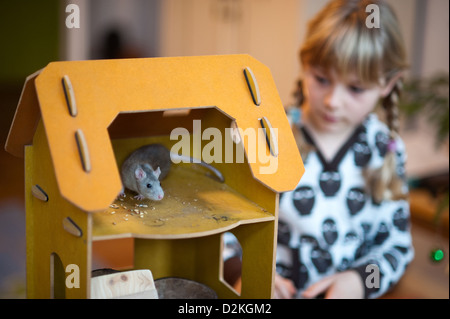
(104, 88)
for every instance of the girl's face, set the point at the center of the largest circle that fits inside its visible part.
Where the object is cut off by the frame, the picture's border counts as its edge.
(335, 105)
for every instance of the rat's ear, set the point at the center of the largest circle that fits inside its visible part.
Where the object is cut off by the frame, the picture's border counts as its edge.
(139, 173)
(157, 172)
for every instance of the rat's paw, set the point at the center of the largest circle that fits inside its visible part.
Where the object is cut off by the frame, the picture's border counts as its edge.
(121, 193)
(139, 197)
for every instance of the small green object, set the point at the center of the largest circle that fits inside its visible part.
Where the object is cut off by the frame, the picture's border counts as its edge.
(437, 255)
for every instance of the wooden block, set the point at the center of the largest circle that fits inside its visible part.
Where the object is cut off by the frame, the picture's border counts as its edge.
(83, 150)
(70, 96)
(39, 193)
(72, 228)
(253, 86)
(135, 284)
(271, 137)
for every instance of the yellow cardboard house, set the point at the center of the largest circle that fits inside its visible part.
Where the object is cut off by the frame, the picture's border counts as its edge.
(77, 121)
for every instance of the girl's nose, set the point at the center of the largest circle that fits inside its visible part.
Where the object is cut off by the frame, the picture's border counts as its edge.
(334, 99)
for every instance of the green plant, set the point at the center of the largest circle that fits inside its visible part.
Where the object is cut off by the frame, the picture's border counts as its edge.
(430, 97)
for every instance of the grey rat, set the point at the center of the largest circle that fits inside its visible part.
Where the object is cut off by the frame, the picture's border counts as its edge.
(143, 169)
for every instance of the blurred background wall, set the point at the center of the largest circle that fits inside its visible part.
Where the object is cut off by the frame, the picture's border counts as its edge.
(34, 33)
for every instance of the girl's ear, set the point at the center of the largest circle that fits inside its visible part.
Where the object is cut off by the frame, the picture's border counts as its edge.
(389, 86)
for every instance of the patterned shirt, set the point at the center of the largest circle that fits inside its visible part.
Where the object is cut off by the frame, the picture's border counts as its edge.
(330, 223)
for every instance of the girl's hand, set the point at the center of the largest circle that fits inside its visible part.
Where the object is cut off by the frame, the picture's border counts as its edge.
(343, 285)
(284, 288)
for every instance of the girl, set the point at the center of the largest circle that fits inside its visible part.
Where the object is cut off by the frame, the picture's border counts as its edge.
(344, 231)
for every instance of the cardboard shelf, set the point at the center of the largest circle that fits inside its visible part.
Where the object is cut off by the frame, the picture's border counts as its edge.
(194, 205)
(77, 121)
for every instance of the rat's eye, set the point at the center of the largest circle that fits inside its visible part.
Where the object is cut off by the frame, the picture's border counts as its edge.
(149, 186)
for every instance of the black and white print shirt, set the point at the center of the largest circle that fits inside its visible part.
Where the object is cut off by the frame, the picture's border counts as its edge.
(329, 223)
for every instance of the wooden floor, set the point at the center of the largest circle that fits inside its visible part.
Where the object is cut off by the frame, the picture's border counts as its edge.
(424, 278)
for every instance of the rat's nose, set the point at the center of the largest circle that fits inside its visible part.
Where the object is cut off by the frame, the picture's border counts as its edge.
(160, 196)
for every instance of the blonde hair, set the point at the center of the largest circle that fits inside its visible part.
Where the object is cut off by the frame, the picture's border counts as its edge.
(339, 38)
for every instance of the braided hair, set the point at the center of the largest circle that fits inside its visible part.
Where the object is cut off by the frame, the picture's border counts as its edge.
(385, 182)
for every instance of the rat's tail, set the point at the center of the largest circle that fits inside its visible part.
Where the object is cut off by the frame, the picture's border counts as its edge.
(176, 159)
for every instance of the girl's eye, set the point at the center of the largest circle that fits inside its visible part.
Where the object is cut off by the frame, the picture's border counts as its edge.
(356, 89)
(321, 79)
(149, 186)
